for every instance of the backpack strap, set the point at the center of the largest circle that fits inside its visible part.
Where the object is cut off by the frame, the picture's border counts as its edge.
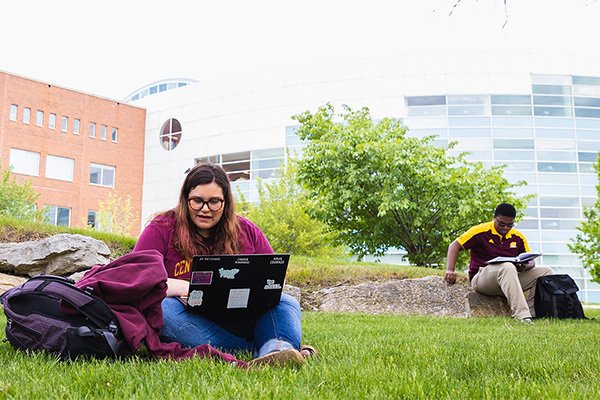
(96, 310)
(109, 337)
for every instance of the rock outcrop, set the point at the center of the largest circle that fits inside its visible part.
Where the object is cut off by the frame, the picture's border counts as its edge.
(72, 255)
(61, 254)
(423, 296)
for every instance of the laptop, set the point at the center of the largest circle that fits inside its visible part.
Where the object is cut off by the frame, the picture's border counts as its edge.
(229, 283)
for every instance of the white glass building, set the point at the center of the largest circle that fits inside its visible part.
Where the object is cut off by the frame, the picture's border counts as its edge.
(539, 114)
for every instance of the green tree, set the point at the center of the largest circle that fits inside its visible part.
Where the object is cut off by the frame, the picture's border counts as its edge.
(18, 200)
(115, 214)
(587, 243)
(281, 215)
(380, 188)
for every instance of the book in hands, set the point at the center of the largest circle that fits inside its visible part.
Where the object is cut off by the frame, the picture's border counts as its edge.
(520, 259)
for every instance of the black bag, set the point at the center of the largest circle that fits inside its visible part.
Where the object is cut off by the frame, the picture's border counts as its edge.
(556, 297)
(49, 313)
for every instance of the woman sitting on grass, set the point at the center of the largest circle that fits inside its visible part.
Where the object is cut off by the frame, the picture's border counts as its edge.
(205, 223)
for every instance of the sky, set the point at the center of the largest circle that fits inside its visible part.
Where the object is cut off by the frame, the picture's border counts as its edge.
(111, 48)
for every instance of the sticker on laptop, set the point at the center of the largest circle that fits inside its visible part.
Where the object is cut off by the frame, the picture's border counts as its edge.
(202, 277)
(272, 285)
(238, 298)
(195, 298)
(228, 273)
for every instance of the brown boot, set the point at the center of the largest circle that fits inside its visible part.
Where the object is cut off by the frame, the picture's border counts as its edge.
(287, 357)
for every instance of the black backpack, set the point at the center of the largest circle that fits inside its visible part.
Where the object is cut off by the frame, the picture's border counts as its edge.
(49, 313)
(556, 297)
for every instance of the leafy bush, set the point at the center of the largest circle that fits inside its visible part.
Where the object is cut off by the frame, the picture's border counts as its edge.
(17, 200)
(587, 242)
(381, 188)
(281, 215)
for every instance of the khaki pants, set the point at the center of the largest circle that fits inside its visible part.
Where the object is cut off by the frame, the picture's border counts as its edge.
(518, 287)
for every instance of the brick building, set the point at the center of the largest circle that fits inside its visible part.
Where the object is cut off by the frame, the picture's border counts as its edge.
(75, 148)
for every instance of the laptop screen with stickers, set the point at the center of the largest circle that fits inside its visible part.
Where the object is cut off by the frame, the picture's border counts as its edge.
(224, 283)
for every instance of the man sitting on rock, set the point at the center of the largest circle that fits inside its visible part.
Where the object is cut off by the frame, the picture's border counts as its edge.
(498, 238)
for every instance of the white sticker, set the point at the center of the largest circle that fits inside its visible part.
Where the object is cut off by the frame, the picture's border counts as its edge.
(272, 285)
(195, 298)
(228, 273)
(238, 298)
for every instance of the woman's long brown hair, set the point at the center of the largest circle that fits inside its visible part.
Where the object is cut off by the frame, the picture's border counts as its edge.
(224, 235)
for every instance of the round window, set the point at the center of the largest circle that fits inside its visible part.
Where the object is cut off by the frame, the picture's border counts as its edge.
(170, 134)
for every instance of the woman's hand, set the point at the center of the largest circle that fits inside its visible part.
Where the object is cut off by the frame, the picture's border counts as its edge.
(177, 287)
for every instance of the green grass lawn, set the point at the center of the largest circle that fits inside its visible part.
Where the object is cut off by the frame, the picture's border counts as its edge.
(361, 356)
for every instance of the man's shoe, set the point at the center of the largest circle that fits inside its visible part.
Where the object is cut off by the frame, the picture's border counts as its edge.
(287, 357)
(527, 320)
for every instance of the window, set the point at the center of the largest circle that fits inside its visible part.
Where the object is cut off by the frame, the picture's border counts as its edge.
(25, 162)
(115, 135)
(213, 159)
(26, 115)
(468, 110)
(170, 134)
(589, 157)
(103, 175)
(553, 122)
(511, 99)
(92, 219)
(103, 129)
(76, 123)
(64, 124)
(13, 112)
(555, 144)
(426, 111)
(469, 132)
(553, 111)
(425, 101)
(56, 215)
(587, 102)
(52, 121)
(266, 163)
(92, 129)
(586, 80)
(511, 110)
(586, 91)
(556, 167)
(552, 100)
(513, 143)
(587, 112)
(551, 89)
(556, 156)
(513, 133)
(60, 168)
(39, 118)
(559, 201)
(555, 212)
(468, 99)
(237, 165)
(523, 155)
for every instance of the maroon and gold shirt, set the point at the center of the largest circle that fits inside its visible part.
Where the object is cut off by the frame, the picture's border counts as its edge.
(160, 232)
(485, 243)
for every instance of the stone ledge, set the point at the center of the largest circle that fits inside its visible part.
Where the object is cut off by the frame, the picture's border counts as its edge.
(423, 296)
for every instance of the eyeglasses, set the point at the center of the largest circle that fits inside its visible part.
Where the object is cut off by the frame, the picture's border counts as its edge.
(197, 203)
(504, 225)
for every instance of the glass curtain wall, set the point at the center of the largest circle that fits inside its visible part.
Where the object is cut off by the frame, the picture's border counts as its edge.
(549, 138)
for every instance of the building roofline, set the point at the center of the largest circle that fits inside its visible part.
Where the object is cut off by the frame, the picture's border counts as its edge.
(120, 102)
(166, 80)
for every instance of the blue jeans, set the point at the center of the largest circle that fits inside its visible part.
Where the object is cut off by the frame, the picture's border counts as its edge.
(277, 329)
